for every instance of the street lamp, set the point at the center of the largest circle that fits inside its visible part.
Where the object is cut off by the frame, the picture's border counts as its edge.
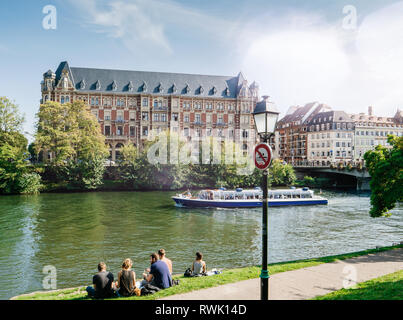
(265, 116)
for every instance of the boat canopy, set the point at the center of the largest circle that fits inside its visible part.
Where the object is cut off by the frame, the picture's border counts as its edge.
(257, 193)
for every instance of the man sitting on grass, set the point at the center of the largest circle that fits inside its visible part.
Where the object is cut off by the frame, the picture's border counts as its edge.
(103, 282)
(159, 274)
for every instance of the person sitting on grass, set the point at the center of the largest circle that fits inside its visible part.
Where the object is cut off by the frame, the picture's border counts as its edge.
(161, 254)
(199, 266)
(103, 283)
(126, 283)
(159, 275)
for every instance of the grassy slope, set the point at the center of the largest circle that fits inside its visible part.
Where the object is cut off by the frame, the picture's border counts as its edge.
(389, 287)
(191, 284)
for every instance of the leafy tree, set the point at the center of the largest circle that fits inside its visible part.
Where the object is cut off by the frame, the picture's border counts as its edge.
(386, 169)
(72, 136)
(10, 118)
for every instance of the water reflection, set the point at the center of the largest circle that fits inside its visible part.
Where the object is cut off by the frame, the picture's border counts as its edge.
(75, 231)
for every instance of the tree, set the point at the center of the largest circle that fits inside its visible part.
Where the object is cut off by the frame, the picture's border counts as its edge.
(386, 169)
(15, 175)
(10, 118)
(72, 136)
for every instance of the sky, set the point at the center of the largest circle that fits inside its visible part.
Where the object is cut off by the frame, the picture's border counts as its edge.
(347, 54)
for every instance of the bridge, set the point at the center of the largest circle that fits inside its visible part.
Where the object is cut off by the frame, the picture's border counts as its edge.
(361, 175)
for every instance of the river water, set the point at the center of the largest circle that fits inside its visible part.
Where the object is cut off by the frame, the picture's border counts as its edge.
(73, 232)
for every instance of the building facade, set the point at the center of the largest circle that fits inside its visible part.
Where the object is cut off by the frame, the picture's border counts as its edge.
(371, 130)
(292, 132)
(131, 105)
(330, 138)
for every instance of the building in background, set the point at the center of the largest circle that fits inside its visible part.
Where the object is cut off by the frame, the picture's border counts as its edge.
(330, 138)
(292, 130)
(371, 130)
(130, 105)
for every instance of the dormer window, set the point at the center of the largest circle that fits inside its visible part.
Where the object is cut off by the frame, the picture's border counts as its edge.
(201, 90)
(114, 86)
(174, 89)
(227, 92)
(130, 86)
(97, 85)
(214, 90)
(187, 88)
(82, 84)
(144, 87)
(160, 88)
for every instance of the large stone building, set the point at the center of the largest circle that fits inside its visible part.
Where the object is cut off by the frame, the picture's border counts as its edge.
(129, 105)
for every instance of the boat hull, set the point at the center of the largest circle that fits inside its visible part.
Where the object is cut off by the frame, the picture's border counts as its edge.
(198, 203)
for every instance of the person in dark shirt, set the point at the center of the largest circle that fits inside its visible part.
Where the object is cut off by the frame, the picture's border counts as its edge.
(159, 274)
(103, 282)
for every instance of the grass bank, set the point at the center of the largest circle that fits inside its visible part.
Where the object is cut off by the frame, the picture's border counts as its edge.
(389, 287)
(191, 284)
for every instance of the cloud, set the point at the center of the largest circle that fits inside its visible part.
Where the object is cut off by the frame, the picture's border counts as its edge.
(143, 25)
(300, 57)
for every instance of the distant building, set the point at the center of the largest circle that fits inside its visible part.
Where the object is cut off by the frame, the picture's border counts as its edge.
(371, 130)
(292, 129)
(130, 104)
(330, 138)
(314, 134)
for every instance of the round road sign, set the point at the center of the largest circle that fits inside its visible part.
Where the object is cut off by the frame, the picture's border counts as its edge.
(262, 156)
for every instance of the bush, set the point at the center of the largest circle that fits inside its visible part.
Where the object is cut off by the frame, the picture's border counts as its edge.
(29, 183)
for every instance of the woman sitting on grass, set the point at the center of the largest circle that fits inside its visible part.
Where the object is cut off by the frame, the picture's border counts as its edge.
(199, 266)
(126, 279)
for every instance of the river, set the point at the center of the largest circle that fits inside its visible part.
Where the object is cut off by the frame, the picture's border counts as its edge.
(73, 232)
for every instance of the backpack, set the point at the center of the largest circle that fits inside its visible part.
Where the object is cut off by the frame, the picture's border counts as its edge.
(149, 289)
(188, 273)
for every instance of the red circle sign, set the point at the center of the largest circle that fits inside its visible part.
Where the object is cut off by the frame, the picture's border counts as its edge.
(262, 156)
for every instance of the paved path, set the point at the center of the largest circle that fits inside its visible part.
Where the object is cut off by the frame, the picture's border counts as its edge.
(306, 283)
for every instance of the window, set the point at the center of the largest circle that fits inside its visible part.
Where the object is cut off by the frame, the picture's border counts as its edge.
(119, 131)
(175, 117)
(119, 116)
(208, 132)
(132, 131)
(231, 119)
(198, 118)
(208, 117)
(144, 116)
(107, 116)
(244, 133)
(107, 130)
(186, 132)
(145, 131)
(163, 117)
(220, 119)
(132, 116)
(186, 118)
(156, 117)
(145, 102)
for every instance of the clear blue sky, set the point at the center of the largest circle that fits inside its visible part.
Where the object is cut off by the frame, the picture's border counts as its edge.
(297, 50)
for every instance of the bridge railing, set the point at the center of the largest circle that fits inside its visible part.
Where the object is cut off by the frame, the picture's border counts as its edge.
(350, 165)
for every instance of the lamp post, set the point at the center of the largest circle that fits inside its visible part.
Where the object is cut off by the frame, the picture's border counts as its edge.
(265, 116)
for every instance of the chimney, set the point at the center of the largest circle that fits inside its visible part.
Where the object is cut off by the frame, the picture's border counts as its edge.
(370, 111)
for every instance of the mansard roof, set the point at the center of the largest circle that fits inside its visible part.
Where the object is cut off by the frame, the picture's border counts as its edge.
(153, 82)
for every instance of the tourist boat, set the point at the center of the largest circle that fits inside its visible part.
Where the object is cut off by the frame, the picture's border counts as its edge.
(239, 198)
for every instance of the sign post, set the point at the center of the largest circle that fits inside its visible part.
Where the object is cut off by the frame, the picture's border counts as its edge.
(263, 156)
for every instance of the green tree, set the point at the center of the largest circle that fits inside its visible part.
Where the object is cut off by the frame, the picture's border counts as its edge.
(385, 165)
(72, 136)
(15, 174)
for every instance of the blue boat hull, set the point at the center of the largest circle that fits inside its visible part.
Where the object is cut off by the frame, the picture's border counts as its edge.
(194, 203)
